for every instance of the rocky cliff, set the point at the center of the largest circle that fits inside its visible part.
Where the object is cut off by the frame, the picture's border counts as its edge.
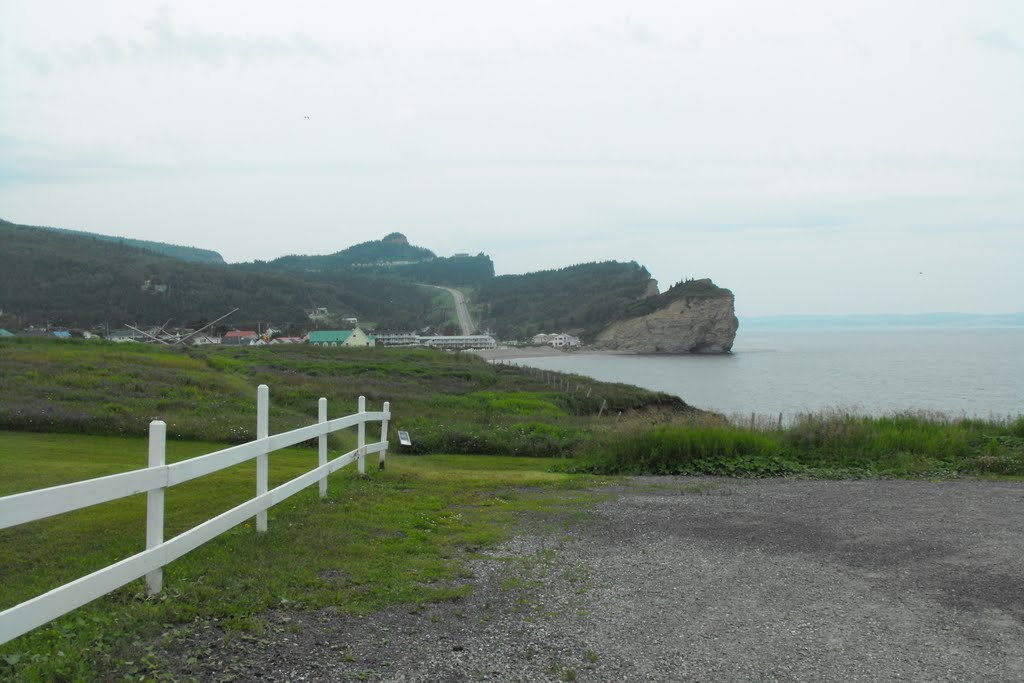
(691, 317)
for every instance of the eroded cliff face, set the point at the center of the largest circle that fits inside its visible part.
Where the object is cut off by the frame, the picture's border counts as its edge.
(690, 324)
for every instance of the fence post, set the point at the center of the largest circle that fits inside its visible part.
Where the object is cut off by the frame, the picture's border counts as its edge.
(384, 431)
(361, 443)
(322, 460)
(262, 460)
(155, 502)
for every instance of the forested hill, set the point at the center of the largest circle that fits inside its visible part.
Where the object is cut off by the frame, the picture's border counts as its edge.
(392, 250)
(80, 280)
(75, 280)
(393, 256)
(580, 299)
(177, 251)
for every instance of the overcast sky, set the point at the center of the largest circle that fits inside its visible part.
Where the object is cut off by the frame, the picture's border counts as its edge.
(814, 156)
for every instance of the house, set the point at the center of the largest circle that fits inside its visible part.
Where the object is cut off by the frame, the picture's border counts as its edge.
(126, 336)
(5, 333)
(350, 338)
(203, 340)
(286, 340)
(558, 341)
(239, 338)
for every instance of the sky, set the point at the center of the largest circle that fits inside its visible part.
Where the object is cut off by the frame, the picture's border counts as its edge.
(814, 156)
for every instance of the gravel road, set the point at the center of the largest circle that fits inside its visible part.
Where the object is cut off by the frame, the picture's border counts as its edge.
(696, 579)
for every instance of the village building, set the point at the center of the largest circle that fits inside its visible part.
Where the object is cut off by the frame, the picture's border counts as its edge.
(239, 338)
(203, 340)
(350, 338)
(559, 341)
(460, 342)
(399, 339)
(454, 342)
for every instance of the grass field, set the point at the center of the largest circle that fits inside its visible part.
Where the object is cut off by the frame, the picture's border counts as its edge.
(75, 410)
(401, 535)
(452, 403)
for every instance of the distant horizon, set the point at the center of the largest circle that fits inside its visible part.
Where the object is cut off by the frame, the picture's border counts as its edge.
(937, 319)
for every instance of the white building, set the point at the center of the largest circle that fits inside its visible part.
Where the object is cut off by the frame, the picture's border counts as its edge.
(455, 343)
(559, 341)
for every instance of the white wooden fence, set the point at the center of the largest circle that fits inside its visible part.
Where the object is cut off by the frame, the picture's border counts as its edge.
(154, 480)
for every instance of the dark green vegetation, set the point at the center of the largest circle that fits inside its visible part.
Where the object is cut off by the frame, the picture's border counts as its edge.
(174, 250)
(694, 289)
(394, 256)
(392, 250)
(834, 445)
(449, 403)
(581, 299)
(81, 280)
(400, 536)
(51, 277)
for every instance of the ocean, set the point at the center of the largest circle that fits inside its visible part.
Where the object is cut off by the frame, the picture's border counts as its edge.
(958, 372)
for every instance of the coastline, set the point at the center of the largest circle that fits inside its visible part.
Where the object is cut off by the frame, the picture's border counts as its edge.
(516, 352)
(520, 352)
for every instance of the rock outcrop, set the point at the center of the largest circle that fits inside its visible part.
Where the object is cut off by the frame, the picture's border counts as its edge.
(692, 317)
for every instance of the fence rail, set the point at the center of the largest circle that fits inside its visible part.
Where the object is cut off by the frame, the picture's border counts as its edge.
(154, 480)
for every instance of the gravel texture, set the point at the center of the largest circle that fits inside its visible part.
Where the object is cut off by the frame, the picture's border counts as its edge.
(696, 579)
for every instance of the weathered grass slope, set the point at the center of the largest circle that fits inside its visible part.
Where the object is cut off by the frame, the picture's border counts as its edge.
(449, 403)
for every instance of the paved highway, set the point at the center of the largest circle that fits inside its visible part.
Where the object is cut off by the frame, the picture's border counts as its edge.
(465, 322)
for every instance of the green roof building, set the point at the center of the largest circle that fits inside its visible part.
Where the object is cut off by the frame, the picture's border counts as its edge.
(354, 337)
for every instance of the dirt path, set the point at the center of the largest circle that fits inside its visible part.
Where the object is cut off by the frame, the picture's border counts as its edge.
(686, 579)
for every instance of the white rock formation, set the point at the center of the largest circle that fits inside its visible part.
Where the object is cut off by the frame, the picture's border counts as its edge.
(689, 324)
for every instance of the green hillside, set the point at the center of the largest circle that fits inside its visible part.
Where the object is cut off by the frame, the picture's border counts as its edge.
(393, 249)
(450, 403)
(177, 251)
(76, 280)
(72, 279)
(581, 299)
(393, 256)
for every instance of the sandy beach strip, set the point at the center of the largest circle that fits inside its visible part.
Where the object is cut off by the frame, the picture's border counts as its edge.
(517, 352)
(503, 353)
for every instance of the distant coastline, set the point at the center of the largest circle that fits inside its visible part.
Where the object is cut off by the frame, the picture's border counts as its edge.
(880, 321)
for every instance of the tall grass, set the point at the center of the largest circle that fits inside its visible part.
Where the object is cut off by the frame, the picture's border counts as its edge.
(826, 444)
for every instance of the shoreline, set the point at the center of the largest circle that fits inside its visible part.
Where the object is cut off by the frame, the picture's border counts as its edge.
(522, 352)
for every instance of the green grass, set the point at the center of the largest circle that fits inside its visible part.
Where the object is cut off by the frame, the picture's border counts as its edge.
(398, 536)
(450, 403)
(825, 445)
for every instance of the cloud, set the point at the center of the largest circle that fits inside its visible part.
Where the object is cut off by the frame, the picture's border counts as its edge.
(1000, 41)
(641, 35)
(166, 43)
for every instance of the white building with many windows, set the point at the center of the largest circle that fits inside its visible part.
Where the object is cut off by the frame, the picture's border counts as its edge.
(559, 341)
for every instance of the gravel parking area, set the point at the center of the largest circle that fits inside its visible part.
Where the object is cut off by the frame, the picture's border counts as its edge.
(696, 579)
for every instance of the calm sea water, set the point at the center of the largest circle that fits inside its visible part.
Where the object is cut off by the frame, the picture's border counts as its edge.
(974, 372)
